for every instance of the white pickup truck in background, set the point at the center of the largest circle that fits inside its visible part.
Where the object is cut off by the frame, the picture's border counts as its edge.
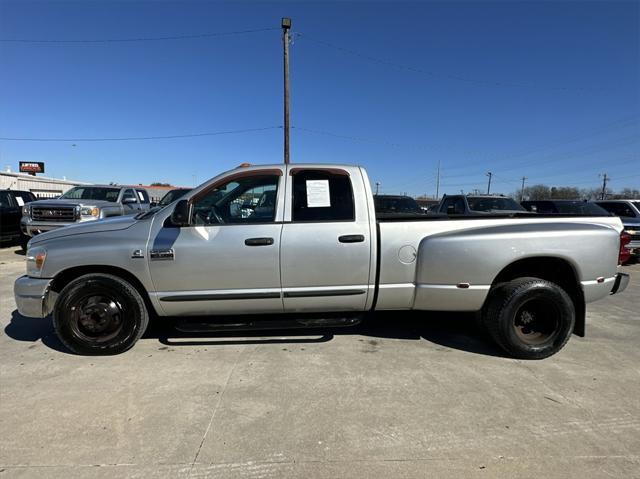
(301, 245)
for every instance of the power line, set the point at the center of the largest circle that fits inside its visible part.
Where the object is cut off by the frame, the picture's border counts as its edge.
(157, 137)
(138, 39)
(401, 66)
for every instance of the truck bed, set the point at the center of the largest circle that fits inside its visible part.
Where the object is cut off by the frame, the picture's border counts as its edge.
(449, 264)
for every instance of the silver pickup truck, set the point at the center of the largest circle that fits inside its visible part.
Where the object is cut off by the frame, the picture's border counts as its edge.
(301, 245)
(80, 204)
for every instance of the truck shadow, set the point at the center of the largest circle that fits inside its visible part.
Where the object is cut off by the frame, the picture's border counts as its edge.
(33, 329)
(448, 330)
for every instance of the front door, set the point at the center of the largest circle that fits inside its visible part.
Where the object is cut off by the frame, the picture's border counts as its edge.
(227, 260)
(326, 244)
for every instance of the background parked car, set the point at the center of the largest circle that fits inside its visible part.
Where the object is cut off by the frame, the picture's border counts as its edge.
(83, 203)
(11, 204)
(478, 205)
(396, 204)
(171, 196)
(572, 207)
(629, 213)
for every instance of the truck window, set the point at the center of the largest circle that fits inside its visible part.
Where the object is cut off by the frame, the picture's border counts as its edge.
(456, 202)
(4, 199)
(25, 196)
(245, 200)
(619, 209)
(143, 196)
(322, 196)
(91, 193)
(129, 194)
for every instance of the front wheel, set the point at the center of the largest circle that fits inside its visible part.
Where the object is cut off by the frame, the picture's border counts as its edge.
(99, 314)
(530, 318)
(24, 240)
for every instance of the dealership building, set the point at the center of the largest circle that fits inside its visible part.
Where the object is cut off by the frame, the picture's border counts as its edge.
(44, 187)
(40, 186)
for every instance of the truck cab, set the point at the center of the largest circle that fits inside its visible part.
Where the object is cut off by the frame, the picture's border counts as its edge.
(256, 252)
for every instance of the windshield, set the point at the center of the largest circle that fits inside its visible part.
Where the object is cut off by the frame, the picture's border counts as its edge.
(492, 204)
(171, 196)
(580, 208)
(92, 193)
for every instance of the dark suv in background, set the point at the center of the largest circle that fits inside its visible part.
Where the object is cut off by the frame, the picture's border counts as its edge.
(567, 207)
(11, 206)
(478, 205)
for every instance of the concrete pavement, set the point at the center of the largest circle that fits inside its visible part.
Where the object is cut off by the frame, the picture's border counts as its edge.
(406, 396)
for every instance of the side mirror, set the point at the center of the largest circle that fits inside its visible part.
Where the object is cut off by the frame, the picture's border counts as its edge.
(180, 215)
(451, 210)
(128, 201)
(153, 204)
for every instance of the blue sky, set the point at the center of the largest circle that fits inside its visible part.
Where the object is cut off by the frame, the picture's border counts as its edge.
(545, 90)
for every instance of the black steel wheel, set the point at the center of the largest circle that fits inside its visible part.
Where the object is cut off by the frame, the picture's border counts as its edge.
(530, 318)
(99, 314)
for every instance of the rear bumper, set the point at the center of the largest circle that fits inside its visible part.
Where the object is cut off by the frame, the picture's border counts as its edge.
(32, 296)
(621, 283)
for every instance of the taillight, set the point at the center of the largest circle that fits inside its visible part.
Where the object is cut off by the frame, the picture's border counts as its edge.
(624, 254)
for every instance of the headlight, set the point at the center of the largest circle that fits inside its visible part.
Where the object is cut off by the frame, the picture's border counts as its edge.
(25, 210)
(90, 211)
(35, 260)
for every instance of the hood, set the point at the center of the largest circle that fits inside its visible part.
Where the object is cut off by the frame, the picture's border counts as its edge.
(65, 202)
(98, 226)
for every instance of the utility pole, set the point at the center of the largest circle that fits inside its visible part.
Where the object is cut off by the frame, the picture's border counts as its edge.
(605, 178)
(438, 182)
(286, 25)
(522, 191)
(489, 174)
(377, 187)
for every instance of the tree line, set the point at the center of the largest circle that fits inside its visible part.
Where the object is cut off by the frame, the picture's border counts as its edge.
(544, 192)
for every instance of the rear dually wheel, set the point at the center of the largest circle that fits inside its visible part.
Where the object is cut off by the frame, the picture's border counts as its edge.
(530, 318)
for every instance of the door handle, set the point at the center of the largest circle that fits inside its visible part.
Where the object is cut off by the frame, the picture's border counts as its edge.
(351, 238)
(258, 241)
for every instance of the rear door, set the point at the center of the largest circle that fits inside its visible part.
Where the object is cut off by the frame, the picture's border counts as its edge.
(326, 242)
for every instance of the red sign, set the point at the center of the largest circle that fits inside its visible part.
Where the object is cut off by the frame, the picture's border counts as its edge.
(32, 167)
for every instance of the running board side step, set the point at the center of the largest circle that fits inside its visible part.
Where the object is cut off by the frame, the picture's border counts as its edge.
(253, 324)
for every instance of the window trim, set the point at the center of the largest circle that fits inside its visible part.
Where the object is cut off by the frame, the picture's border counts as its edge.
(234, 176)
(330, 171)
(266, 172)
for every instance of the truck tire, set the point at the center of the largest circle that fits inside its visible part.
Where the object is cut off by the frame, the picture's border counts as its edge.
(99, 314)
(530, 318)
(23, 242)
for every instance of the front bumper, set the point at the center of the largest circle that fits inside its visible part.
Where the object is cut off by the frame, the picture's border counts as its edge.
(33, 228)
(621, 283)
(33, 297)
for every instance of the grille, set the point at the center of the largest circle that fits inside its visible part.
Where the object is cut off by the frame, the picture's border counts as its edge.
(48, 213)
(635, 237)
